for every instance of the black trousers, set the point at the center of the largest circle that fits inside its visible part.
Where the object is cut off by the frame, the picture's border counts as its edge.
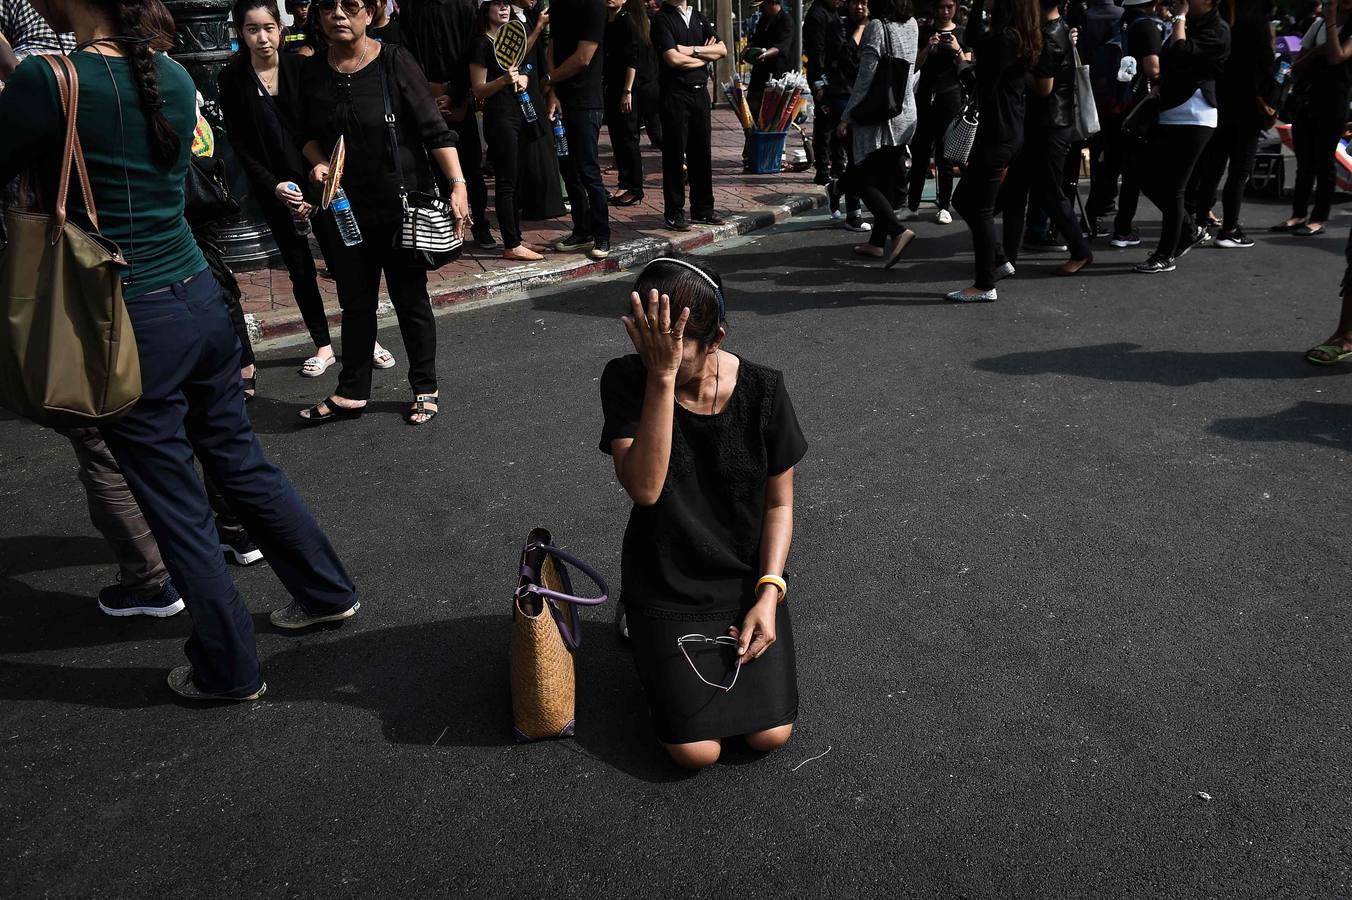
(837, 160)
(192, 403)
(471, 165)
(1233, 148)
(823, 130)
(929, 143)
(648, 105)
(299, 262)
(687, 140)
(1164, 169)
(1315, 134)
(975, 198)
(1037, 174)
(874, 181)
(624, 141)
(505, 150)
(582, 173)
(357, 271)
(1107, 157)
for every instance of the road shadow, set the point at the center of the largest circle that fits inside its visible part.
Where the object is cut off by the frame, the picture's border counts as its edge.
(1322, 424)
(432, 684)
(1126, 362)
(270, 415)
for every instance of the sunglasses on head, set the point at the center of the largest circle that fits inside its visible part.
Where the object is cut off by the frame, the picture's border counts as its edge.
(350, 7)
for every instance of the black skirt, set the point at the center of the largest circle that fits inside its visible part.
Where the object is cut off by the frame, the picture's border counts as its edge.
(684, 708)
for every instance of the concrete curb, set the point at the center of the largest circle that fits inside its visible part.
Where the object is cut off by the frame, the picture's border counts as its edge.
(557, 268)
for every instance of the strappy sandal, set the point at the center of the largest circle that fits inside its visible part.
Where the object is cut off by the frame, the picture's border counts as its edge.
(314, 416)
(423, 405)
(317, 365)
(382, 358)
(250, 385)
(1327, 354)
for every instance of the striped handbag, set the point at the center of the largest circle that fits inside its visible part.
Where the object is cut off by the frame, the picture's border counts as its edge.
(428, 228)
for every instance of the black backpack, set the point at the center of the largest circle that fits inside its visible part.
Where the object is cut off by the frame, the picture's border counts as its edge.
(1112, 97)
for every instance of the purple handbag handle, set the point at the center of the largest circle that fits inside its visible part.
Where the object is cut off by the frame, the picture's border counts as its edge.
(576, 563)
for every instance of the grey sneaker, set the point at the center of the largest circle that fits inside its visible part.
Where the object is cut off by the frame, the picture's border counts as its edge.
(180, 682)
(295, 616)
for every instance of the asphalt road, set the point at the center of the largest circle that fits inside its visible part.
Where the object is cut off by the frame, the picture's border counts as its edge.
(1064, 565)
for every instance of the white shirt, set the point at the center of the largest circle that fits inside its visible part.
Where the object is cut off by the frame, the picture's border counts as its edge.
(685, 13)
(1194, 112)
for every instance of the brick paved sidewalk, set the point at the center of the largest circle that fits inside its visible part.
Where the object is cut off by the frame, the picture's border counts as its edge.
(638, 234)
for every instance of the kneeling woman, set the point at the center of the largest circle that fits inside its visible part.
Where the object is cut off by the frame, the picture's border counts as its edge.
(705, 444)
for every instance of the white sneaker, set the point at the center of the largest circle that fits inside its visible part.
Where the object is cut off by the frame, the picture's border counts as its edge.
(944, 217)
(857, 225)
(836, 215)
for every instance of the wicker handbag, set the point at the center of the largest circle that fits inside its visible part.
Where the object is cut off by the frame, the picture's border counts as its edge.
(546, 633)
(67, 351)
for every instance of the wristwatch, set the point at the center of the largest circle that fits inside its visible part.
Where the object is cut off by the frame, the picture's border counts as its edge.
(1176, 19)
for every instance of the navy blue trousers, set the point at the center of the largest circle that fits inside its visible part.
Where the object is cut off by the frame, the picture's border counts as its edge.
(192, 403)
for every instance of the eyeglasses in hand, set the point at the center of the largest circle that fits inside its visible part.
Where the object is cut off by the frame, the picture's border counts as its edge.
(698, 641)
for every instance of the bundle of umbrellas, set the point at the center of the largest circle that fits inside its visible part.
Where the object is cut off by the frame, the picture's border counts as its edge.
(783, 99)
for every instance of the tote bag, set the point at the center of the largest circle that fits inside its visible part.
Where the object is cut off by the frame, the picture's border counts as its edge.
(1086, 112)
(546, 633)
(886, 95)
(67, 351)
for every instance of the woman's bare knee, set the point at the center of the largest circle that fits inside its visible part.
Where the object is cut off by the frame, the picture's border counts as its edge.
(769, 739)
(694, 755)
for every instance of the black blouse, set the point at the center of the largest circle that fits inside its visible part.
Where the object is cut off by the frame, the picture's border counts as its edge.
(262, 128)
(353, 106)
(696, 552)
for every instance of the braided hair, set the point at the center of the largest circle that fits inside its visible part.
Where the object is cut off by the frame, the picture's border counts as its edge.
(145, 28)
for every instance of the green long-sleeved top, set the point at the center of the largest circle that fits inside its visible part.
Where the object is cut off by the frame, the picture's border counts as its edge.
(140, 205)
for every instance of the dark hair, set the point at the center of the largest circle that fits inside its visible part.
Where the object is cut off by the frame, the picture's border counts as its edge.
(672, 275)
(242, 8)
(890, 10)
(481, 15)
(1020, 20)
(145, 28)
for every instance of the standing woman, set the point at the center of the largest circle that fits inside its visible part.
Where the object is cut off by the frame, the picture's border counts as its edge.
(1325, 82)
(709, 465)
(1004, 51)
(344, 90)
(939, 99)
(842, 68)
(630, 72)
(878, 150)
(505, 126)
(1192, 58)
(136, 119)
(539, 187)
(259, 91)
(646, 102)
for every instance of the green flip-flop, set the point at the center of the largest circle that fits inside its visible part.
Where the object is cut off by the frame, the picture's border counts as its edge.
(1333, 354)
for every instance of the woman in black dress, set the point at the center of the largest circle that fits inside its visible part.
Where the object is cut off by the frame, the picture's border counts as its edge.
(630, 70)
(344, 90)
(705, 443)
(508, 133)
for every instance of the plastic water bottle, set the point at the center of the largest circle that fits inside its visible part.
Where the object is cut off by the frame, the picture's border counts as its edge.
(527, 108)
(301, 223)
(347, 223)
(560, 139)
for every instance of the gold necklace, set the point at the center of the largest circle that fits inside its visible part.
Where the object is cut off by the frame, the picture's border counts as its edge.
(269, 86)
(365, 49)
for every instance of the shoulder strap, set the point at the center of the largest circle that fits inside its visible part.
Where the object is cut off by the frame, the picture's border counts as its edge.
(68, 86)
(390, 120)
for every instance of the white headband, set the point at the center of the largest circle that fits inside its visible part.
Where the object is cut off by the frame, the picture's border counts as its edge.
(718, 294)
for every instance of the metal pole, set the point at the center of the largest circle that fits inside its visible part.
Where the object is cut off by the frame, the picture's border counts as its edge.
(724, 68)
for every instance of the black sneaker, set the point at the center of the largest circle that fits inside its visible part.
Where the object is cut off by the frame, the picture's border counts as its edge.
(573, 241)
(821, 178)
(709, 218)
(1232, 240)
(1156, 263)
(1199, 236)
(1130, 239)
(241, 549)
(677, 222)
(483, 237)
(1042, 242)
(164, 601)
(600, 249)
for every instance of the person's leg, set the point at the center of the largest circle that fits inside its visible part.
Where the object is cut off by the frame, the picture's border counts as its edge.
(471, 166)
(871, 182)
(1048, 186)
(1013, 198)
(300, 266)
(114, 512)
(946, 108)
(1204, 189)
(407, 282)
(974, 200)
(1105, 167)
(699, 156)
(921, 147)
(503, 141)
(770, 739)
(694, 755)
(151, 446)
(676, 110)
(357, 272)
(1329, 130)
(570, 169)
(1172, 158)
(1243, 150)
(619, 133)
(1303, 144)
(584, 135)
(648, 106)
(257, 491)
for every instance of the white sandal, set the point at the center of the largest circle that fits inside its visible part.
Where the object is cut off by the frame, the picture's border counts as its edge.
(382, 358)
(317, 365)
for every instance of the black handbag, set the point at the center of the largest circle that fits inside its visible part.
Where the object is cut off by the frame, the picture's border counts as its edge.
(886, 95)
(1143, 119)
(428, 226)
(206, 192)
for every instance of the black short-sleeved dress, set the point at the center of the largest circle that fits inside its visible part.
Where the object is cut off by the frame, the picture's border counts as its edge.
(691, 561)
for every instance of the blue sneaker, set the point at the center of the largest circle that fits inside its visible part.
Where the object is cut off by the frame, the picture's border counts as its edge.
(115, 600)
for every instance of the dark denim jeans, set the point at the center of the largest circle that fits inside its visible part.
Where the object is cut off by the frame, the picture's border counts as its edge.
(192, 402)
(586, 190)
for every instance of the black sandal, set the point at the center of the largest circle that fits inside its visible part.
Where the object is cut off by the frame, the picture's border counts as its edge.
(250, 386)
(315, 417)
(423, 405)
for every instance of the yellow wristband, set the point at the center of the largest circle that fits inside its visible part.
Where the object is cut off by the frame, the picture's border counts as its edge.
(777, 582)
